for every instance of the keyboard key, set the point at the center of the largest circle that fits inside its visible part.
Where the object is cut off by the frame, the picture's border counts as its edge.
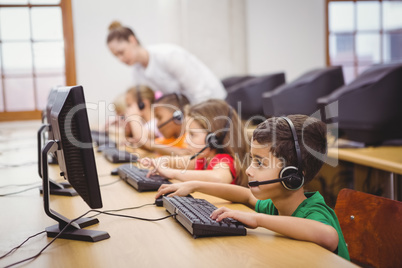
(194, 214)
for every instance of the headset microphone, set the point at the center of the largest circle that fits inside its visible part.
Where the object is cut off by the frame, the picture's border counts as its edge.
(211, 140)
(258, 183)
(165, 123)
(197, 154)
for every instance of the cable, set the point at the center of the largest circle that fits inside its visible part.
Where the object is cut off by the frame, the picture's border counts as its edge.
(7, 194)
(18, 185)
(17, 165)
(133, 217)
(17, 148)
(48, 244)
(121, 209)
(103, 175)
(69, 223)
(110, 183)
(17, 247)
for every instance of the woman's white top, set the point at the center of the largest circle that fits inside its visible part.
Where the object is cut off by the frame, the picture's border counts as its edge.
(172, 69)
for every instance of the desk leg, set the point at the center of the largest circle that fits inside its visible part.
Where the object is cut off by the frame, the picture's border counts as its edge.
(392, 185)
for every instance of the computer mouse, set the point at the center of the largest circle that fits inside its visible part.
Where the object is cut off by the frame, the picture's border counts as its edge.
(159, 200)
(114, 172)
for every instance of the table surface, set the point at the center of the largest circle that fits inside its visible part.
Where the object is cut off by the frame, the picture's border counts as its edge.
(132, 242)
(386, 158)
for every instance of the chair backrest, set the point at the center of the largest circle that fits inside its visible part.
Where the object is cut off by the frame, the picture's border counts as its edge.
(372, 227)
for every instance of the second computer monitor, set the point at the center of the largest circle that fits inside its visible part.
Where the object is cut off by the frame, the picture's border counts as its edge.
(245, 96)
(300, 96)
(369, 109)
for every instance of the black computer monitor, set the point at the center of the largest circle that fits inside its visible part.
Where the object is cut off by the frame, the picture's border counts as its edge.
(245, 94)
(368, 110)
(73, 145)
(300, 96)
(46, 119)
(56, 188)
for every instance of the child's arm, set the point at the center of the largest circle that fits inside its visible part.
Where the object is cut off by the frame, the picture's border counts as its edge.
(220, 175)
(293, 227)
(171, 150)
(164, 162)
(137, 125)
(233, 193)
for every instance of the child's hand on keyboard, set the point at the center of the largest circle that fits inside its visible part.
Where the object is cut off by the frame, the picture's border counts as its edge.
(180, 189)
(248, 219)
(158, 165)
(150, 164)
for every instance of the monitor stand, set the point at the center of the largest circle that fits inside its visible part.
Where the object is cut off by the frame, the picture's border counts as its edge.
(60, 188)
(63, 188)
(65, 229)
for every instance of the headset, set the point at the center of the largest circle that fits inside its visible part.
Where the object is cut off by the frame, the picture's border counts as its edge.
(177, 116)
(141, 104)
(291, 177)
(211, 140)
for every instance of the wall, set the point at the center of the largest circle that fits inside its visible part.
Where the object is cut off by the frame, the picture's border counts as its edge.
(230, 36)
(286, 35)
(212, 30)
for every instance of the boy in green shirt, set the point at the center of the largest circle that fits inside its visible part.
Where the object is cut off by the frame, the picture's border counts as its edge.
(279, 168)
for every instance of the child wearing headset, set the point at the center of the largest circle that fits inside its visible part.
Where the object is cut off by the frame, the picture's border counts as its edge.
(215, 136)
(169, 114)
(286, 153)
(140, 126)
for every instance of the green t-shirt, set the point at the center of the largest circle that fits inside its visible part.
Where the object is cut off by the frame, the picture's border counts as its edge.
(313, 208)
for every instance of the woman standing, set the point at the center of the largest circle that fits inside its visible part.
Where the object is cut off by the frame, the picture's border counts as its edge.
(164, 67)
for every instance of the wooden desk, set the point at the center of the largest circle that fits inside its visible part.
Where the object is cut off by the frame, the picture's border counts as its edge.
(384, 158)
(135, 243)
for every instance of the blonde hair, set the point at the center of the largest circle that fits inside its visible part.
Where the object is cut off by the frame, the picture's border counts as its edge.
(119, 32)
(208, 115)
(144, 91)
(120, 104)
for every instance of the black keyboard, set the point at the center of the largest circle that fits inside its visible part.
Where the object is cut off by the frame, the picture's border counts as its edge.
(100, 138)
(137, 178)
(194, 214)
(115, 155)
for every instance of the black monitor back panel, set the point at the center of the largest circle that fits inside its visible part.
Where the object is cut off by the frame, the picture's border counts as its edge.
(246, 96)
(300, 96)
(369, 109)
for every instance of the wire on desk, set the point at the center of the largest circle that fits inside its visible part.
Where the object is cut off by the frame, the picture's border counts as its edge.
(110, 183)
(18, 148)
(122, 209)
(69, 223)
(17, 247)
(17, 165)
(7, 194)
(19, 185)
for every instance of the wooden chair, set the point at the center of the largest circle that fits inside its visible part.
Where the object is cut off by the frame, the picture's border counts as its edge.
(372, 227)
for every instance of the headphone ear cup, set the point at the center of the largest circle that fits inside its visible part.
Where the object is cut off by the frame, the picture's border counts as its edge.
(178, 117)
(141, 105)
(295, 181)
(211, 140)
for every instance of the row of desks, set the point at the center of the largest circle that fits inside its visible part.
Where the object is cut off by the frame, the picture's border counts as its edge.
(133, 242)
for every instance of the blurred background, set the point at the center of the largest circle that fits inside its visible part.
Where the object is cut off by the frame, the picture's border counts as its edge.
(45, 43)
